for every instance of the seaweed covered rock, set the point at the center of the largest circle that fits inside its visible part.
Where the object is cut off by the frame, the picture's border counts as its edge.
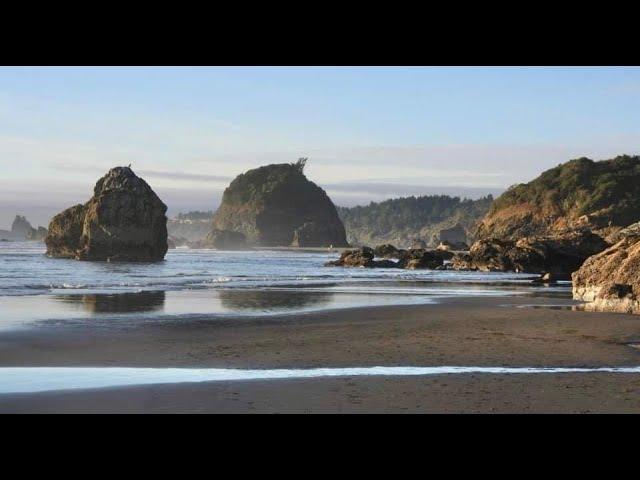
(276, 205)
(123, 221)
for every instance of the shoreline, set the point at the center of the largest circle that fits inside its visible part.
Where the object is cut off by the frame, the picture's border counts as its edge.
(464, 331)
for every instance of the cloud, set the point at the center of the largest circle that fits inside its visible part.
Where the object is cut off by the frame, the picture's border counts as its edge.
(196, 177)
(384, 190)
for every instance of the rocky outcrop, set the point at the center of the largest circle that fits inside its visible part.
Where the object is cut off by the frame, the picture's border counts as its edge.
(37, 235)
(226, 240)
(361, 257)
(632, 230)
(601, 196)
(123, 221)
(448, 246)
(408, 259)
(420, 258)
(610, 280)
(21, 227)
(276, 205)
(387, 250)
(559, 254)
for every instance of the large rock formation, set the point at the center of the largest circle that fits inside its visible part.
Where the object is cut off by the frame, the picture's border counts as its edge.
(610, 280)
(276, 205)
(21, 227)
(123, 221)
(602, 196)
(560, 254)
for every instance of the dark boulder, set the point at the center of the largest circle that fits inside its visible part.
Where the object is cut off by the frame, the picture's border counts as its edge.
(361, 257)
(123, 221)
(421, 258)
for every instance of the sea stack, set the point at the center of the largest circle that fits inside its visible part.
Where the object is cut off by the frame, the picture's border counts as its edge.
(123, 221)
(276, 205)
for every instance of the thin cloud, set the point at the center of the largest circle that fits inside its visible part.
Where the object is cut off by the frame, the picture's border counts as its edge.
(197, 177)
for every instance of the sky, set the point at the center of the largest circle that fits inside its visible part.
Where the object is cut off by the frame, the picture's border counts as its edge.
(370, 133)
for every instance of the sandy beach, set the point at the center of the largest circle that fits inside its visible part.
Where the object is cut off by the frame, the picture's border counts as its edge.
(495, 331)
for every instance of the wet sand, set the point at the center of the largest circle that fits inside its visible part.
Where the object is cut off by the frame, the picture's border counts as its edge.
(465, 332)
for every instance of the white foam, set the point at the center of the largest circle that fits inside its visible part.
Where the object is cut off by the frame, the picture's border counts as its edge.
(40, 379)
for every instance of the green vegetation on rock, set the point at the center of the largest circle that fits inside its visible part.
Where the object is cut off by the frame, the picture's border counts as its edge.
(276, 205)
(580, 192)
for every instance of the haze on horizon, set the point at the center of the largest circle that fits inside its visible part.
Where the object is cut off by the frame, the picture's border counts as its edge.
(370, 133)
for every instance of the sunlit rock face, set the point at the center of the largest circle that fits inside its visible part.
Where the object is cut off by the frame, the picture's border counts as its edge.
(610, 280)
(603, 196)
(123, 221)
(276, 205)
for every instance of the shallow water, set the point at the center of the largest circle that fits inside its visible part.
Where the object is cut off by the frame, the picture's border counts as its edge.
(41, 379)
(34, 287)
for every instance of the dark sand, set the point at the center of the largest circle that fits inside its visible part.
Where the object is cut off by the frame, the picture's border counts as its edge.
(466, 332)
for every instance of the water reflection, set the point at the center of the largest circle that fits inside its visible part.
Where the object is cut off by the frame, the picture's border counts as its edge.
(152, 301)
(268, 300)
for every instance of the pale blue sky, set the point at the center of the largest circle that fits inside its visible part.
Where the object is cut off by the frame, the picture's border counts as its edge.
(370, 133)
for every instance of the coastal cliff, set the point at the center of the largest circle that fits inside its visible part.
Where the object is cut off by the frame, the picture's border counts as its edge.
(602, 196)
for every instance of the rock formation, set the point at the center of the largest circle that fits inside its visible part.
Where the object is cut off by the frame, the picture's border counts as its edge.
(560, 254)
(408, 259)
(361, 257)
(20, 227)
(276, 205)
(123, 221)
(610, 280)
(37, 235)
(602, 196)
(421, 258)
(387, 251)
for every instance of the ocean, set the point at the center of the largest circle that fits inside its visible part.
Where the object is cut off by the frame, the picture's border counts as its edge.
(210, 283)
